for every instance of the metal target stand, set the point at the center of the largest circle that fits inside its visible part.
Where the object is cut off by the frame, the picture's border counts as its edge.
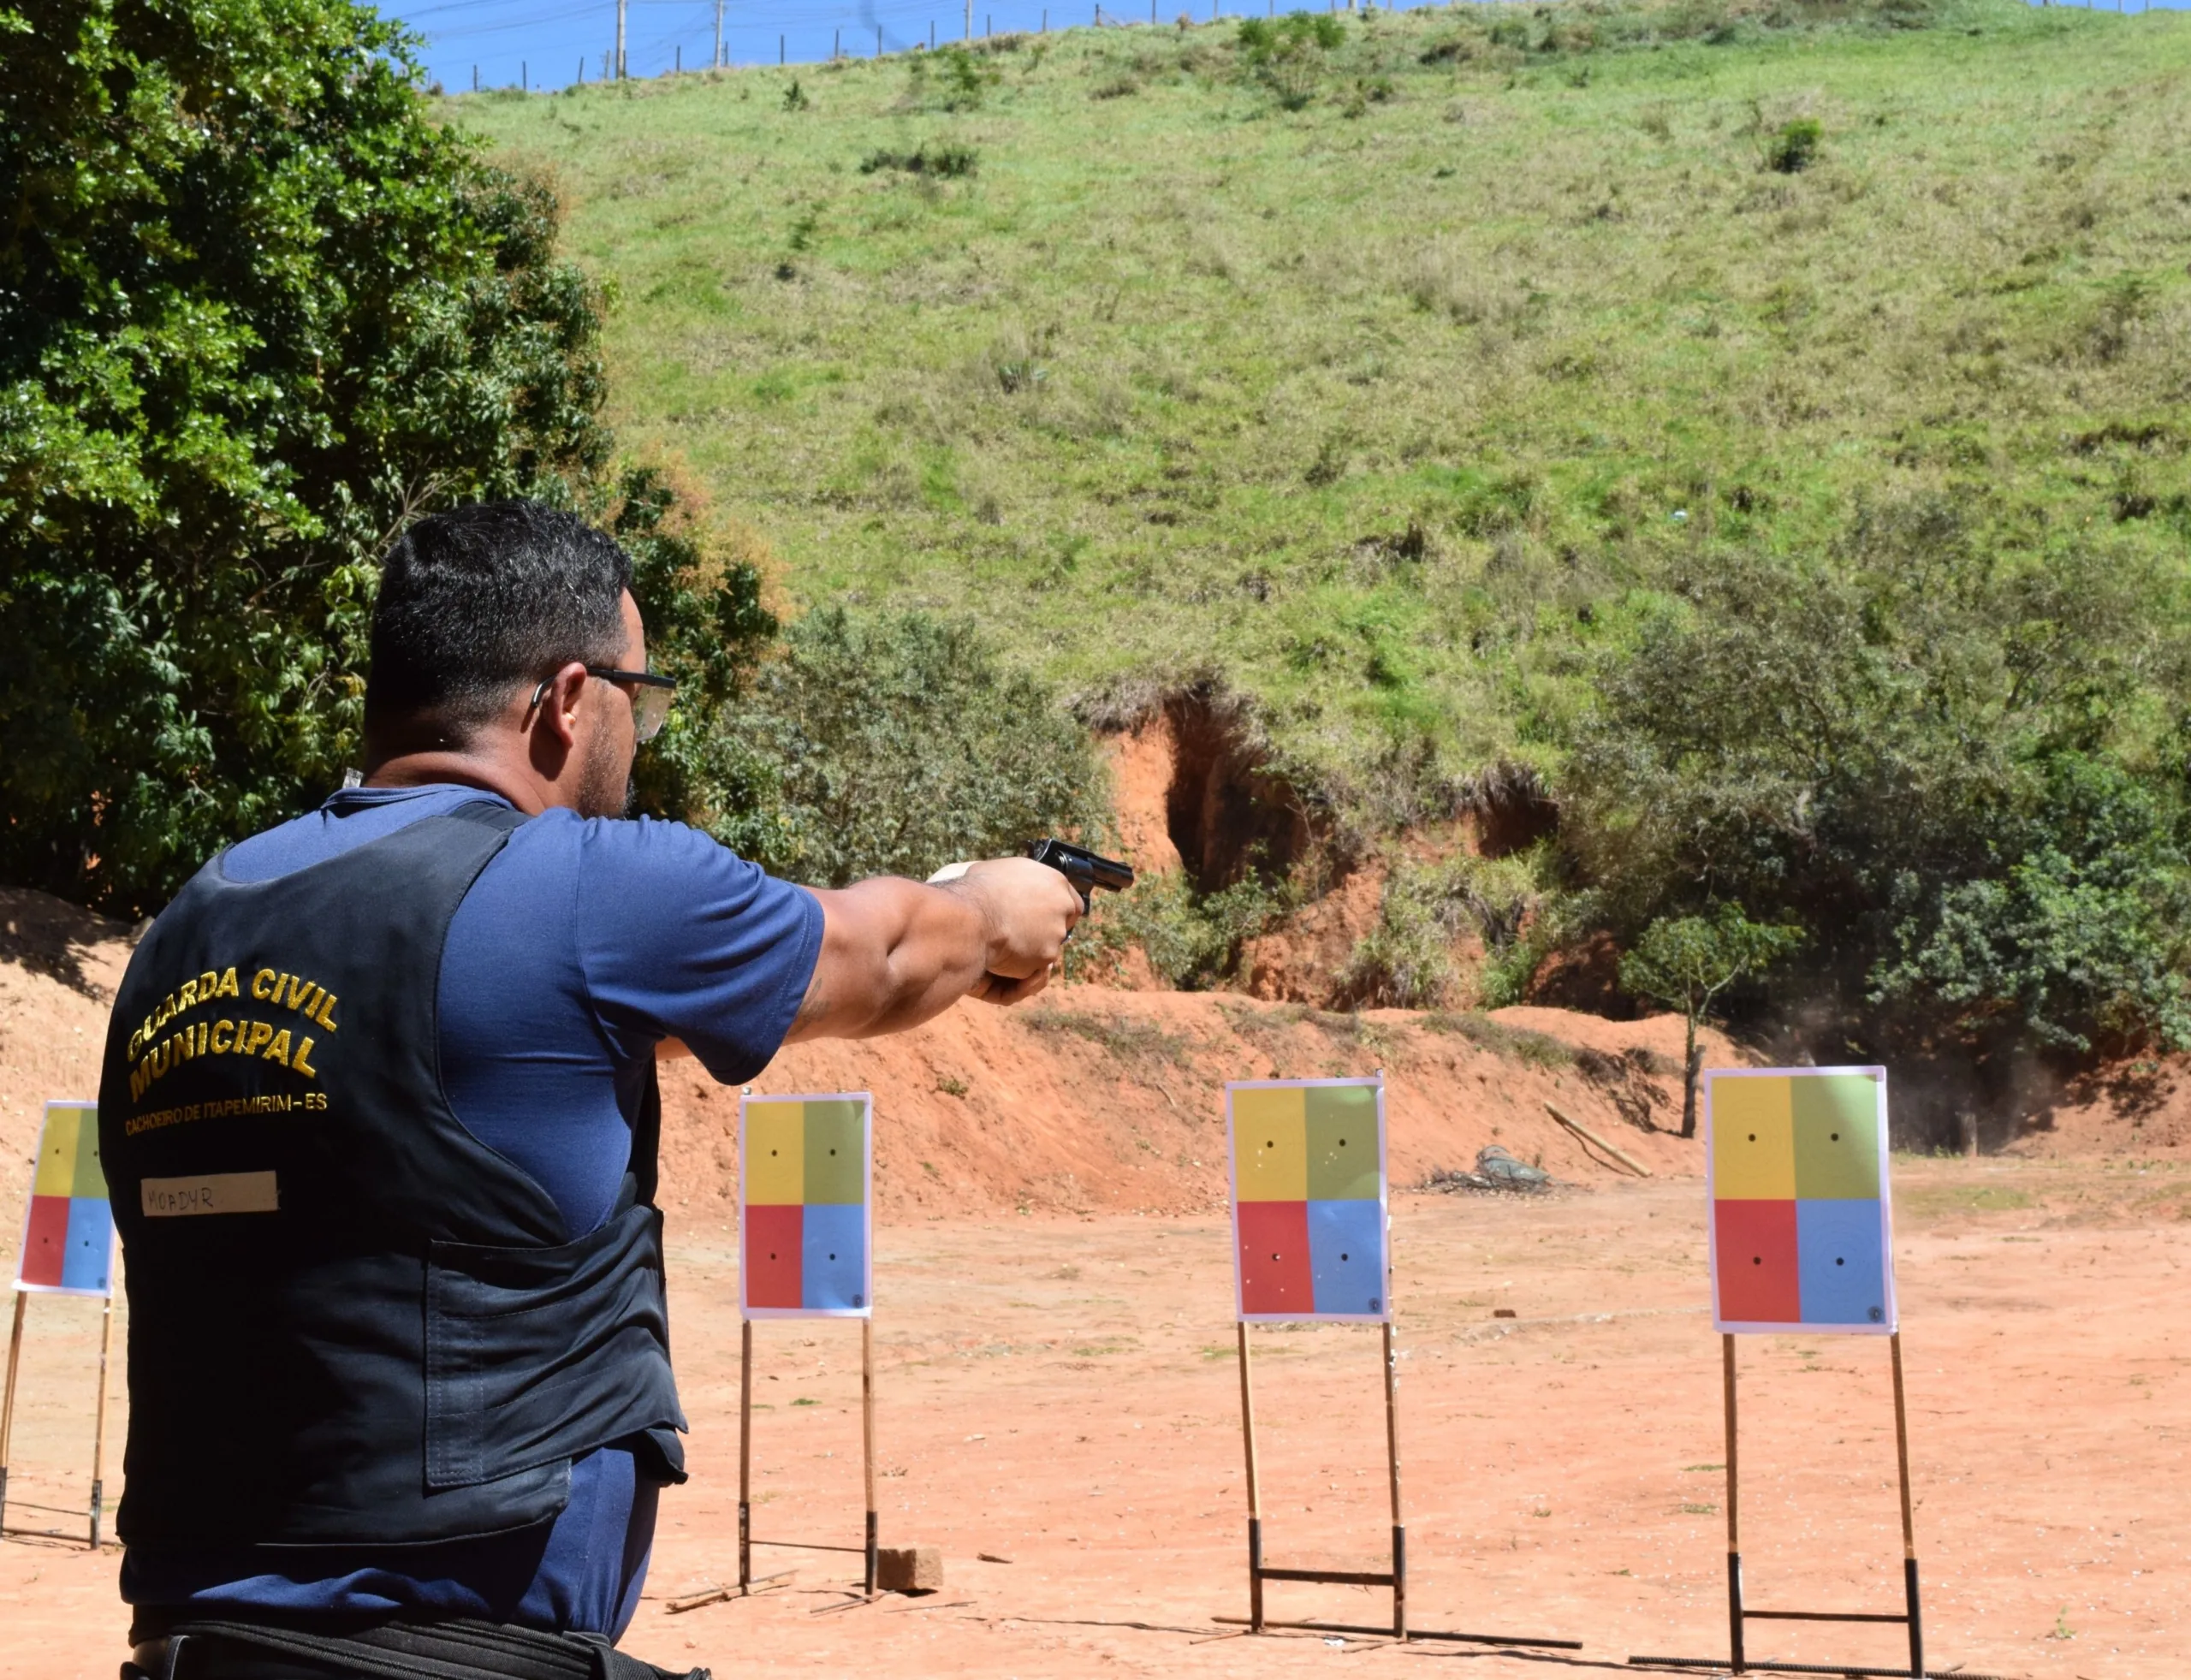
(1767, 1181)
(1739, 1613)
(1266, 1307)
(746, 1542)
(1258, 1571)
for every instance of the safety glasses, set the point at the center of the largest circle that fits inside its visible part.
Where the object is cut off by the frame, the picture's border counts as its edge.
(651, 696)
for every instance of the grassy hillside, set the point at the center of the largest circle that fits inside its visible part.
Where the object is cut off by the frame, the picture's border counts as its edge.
(1373, 379)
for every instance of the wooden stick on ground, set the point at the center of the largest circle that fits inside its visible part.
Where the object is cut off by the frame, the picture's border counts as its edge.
(1592, 1137)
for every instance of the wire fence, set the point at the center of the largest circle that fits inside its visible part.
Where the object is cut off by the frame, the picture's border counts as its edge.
(500, 44)
(577, 44)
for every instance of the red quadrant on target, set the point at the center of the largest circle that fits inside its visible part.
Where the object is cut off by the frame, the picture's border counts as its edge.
(45, 1244)
(1760, 1281)
(1275, 1274)
(773, 1239)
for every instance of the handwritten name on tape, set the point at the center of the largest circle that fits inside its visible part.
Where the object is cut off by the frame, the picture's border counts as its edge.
(209, 1193)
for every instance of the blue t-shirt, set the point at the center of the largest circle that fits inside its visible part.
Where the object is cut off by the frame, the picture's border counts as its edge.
(583, 943)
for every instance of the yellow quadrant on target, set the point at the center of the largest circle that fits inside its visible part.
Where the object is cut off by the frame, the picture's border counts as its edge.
(775, 1153)
(1270, 1145)
(1752, 1140)
(56, 1154)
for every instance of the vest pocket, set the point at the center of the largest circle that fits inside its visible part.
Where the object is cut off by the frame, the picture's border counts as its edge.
(539, 1355)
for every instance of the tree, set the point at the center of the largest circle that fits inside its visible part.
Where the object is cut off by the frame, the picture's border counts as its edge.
(1688, 961)
(258, 311)
(1957, 761)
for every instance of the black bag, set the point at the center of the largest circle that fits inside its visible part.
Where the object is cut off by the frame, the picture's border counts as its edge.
(216, 1649)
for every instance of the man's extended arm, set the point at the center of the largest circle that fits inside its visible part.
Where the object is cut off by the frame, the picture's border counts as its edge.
(895, 953)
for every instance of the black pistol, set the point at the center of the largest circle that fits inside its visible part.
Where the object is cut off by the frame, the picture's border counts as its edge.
(1082, 867)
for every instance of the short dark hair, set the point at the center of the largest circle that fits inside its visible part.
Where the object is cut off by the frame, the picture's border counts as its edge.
(482, 598)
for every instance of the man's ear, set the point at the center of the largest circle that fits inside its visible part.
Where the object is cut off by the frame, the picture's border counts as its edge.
(554, 720)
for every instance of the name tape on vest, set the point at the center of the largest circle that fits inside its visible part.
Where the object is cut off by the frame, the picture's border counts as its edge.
(210, 1193)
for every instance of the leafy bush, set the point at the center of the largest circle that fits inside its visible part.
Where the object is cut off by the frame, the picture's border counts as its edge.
(1192, 940)
(896, 744)
(1285, 54)
(1403, 962)
(2083, 934)
(706, 626)
(954, 80)
(949, 161)
(258, 311)
(1260, 38)
(1406, 961)
(1794, 148)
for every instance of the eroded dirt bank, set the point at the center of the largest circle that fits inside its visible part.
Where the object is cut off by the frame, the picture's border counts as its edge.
(1089, 1100)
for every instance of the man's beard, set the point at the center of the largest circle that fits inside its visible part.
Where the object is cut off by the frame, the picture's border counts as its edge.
(607, 789)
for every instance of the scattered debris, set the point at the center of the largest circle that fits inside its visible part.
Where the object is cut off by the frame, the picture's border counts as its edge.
(678, 1603)
(1504, 1312)
(991, 1558)
(1495, 1170)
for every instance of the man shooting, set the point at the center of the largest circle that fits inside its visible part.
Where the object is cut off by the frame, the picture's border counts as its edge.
(379, 1115)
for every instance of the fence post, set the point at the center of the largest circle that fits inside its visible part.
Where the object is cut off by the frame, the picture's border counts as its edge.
(878, 40)
(779, 51)
(837, 45)
(524, 77)
(680, 60)
(475, 78)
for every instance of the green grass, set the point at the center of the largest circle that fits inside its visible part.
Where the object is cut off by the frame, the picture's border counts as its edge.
(1366, 408)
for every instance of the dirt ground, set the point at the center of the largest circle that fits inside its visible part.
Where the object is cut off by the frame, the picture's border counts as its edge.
(1062, 1392)
(1059, 1388)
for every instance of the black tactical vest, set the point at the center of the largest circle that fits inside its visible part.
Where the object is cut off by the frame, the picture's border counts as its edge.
(350, 1322)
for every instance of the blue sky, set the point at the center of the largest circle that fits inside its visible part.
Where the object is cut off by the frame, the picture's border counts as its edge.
(543, 41)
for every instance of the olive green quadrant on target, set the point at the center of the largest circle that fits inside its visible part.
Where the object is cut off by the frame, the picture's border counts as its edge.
(835, 1163)
(1837, 1125)
(1342, 1143)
